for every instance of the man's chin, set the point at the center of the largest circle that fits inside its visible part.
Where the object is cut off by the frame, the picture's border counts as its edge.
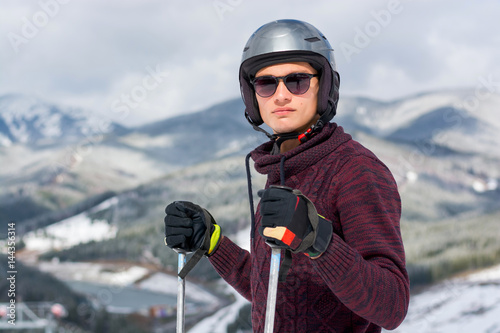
(285, 131)
(284, 128)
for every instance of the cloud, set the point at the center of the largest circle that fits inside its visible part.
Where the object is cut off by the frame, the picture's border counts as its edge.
(90, 53)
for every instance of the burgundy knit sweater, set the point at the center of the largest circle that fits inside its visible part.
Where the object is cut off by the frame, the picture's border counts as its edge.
(360, 283)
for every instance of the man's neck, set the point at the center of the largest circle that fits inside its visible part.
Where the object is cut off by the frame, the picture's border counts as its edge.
(289, 145)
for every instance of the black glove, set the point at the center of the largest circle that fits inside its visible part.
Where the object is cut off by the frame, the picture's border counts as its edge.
(290, 220)
(189, 227)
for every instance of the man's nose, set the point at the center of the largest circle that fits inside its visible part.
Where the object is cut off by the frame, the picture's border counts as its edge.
(282, 92)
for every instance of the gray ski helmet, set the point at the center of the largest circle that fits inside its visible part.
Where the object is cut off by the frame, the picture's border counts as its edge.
(289, 41)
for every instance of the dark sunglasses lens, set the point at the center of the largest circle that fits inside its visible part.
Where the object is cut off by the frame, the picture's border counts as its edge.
(298, 84)
(265, 86)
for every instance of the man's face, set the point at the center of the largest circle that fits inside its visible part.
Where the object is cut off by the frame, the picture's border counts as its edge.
(283, 111)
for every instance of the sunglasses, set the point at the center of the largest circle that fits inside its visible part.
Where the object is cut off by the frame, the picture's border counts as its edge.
(296, 83)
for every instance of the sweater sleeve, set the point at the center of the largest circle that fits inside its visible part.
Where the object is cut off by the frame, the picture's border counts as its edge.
(365, 268)
(233, 265)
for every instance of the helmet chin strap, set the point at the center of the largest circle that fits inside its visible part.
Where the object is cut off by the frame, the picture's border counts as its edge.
(304, 137)
(311, 131)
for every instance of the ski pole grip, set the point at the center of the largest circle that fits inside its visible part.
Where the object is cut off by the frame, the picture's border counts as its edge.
(273, 245)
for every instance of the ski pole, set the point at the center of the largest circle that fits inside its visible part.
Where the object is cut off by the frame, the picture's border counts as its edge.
(273, 288)
(181, 292)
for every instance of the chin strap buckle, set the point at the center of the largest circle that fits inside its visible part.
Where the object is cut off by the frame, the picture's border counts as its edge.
(305, 136)
(311, 131)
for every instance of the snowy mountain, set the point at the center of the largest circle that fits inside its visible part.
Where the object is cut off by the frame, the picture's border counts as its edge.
(56, 157)
(438, 118)
(218, 131)
(442, 118)
(59, 156)
(31, 121)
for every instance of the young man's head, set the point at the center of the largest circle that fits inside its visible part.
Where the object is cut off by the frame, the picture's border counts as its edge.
(288, 78)
(288, 104)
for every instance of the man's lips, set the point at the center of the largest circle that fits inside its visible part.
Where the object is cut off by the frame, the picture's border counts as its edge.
(279, 111)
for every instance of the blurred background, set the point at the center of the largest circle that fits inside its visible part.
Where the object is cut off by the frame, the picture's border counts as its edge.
(109, 111)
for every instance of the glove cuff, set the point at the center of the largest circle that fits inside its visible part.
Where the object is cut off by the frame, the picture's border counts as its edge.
(323, 238)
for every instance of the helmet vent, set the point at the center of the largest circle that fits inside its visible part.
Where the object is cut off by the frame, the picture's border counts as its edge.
(312, 39)
(245, 49)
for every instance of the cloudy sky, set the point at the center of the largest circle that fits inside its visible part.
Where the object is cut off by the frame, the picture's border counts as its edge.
(139, 61)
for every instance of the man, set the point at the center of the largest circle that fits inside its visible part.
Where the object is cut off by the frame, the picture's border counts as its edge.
(330, 203)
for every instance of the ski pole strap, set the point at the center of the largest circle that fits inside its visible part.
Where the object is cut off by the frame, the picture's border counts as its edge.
(204, 248)
(285, 266)
(313, 217)
(191, 263)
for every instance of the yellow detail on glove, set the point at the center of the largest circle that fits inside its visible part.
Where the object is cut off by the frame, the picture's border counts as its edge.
(214, 240)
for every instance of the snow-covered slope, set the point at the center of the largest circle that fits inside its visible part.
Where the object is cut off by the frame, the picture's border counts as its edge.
(72, 231)
(469, 304)
(218, 322)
